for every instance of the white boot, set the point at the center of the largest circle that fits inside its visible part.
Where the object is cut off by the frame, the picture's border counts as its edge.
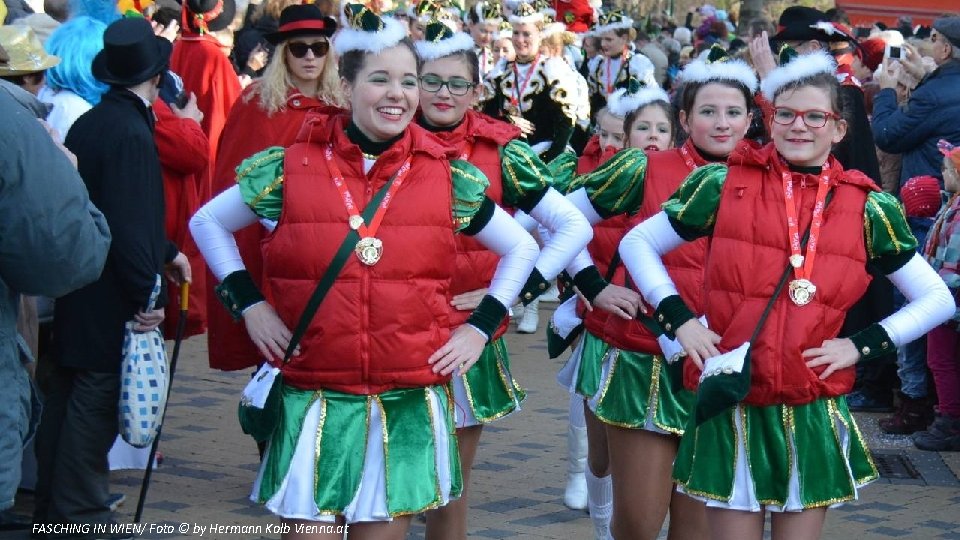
(552, 294)
(601, 503)
(575, 494)
(531, 318)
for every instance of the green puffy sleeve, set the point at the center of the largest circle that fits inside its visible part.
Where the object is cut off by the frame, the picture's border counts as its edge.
(693, 208)
(616, 186)
(563, 169)
(469, 193)
(260, 178)
(890, 243)
(525, 177)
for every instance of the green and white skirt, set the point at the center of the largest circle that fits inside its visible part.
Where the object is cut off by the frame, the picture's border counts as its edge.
(638, 391)
(488, 391)
(781, 457)
(366, 458)
(582, 372)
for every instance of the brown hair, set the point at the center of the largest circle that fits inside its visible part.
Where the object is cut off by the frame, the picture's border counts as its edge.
(352, 62)
(667, 109)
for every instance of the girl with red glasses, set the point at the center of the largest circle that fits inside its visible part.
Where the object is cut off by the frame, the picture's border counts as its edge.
(791, 233)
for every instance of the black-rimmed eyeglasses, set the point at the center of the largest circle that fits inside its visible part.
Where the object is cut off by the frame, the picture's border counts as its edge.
(457, 86)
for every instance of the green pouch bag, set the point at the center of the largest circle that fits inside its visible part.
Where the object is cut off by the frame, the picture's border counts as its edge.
(259, 409)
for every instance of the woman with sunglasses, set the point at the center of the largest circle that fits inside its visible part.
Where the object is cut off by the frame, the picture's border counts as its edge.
(449, 88)
(363, 434)
(771, 428)
(537, 94)
(300, 78)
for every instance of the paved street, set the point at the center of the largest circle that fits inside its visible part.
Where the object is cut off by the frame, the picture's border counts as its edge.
(209, 466)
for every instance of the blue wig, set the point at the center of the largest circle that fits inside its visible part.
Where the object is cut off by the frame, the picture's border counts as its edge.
(105, 11)
(76, 42)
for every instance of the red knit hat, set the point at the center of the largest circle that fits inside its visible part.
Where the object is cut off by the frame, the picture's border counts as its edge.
(921, 196)
(871, 53)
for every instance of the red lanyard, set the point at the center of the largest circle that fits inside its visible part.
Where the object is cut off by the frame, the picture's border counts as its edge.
(803, 264)
(521, 87)
(687, 158)
(623, 62)
(356, 220)
(467, 151)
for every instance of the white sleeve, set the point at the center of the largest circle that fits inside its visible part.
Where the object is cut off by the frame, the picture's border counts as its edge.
(929, 302)
(581, 200)
(642, 250)
(213, 226)
(525, 221)
(518, 252)
(568, 233)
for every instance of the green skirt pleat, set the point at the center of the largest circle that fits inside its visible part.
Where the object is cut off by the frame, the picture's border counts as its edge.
(591, 365)
(635, 382)
(491, 389)
(412, 479)
(779, 439)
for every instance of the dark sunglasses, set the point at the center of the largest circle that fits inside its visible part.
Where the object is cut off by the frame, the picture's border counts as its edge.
(299, 49)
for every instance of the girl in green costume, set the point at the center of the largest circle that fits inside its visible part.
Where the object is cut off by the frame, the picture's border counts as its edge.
(787, 443)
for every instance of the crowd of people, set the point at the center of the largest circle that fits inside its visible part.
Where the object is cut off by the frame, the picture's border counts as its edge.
(752, 230)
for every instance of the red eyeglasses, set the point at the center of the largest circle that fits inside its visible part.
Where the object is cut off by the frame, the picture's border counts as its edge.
(814, 118)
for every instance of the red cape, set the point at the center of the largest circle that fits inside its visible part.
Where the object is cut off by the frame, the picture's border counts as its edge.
(207, 72)
(184, 156)
(248, 130)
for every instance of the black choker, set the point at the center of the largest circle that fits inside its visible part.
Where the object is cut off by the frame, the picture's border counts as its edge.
(712, 158)
(422, 121)
(368, 147)
(817, 169)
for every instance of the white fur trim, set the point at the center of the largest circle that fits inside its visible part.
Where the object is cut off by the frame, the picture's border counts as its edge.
(350, 39)
(529, 19)
(553, 28)
(430, 50)
(731, 70)
(550, 12)
(503, 34)
(622, 103)
(801, 67)
(626, 23)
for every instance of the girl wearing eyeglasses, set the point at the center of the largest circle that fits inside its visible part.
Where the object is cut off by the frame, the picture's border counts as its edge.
(363, 430)
(449, 87)
(535, 93)
(785, 441)
(301, 77)
(630, 389)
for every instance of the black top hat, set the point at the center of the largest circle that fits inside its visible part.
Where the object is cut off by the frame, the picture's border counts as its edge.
(131, 53)
(217, 14)
(302, 20)
(799, 23)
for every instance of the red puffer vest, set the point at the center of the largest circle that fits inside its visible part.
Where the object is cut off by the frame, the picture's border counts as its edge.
(749, 253)
(478, 140)
(378, 324)
(665, 172)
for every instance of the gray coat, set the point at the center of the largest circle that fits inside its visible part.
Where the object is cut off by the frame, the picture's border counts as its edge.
(52, 241)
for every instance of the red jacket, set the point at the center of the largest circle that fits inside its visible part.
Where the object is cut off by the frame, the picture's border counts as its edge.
(576, 14)
(183, 150)
(360, 341)
(207, 72)
(665, 172)
(748, 254)
(247, 131)
(478, 139)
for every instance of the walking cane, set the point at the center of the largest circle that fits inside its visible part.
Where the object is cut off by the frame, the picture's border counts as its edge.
(181, 324)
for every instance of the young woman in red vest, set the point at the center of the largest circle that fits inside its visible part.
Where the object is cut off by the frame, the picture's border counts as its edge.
(634, 405)
(790, 445)
(300, 78)
(366, 411)
(449, 87)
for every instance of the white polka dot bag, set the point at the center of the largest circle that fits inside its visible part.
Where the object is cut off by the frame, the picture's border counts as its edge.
(143, 381)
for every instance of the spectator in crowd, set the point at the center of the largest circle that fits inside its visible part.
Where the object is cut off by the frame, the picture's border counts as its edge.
(655, 54)
(26, 62)
(929, 115)
(58, 9)
(113, 143)
(250, 40)
(37, 256)
(16, 9)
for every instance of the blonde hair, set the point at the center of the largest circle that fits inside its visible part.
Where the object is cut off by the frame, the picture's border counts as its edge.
(272, 8)
(277, 82)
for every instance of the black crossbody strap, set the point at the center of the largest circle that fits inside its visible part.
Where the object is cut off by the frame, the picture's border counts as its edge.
(326, 282)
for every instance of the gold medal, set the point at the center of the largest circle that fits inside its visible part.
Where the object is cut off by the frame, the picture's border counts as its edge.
(796, 261)
(355, 221)
(369, 250)
(802, 291)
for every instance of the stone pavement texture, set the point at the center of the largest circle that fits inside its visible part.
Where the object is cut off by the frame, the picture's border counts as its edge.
(209, 467)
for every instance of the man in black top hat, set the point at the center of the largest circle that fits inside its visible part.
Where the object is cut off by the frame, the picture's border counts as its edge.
(118, 161)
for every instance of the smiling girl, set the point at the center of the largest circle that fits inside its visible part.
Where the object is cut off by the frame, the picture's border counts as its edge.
(634, 403)
(365, 413)
(617, 63)
(784, 441)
